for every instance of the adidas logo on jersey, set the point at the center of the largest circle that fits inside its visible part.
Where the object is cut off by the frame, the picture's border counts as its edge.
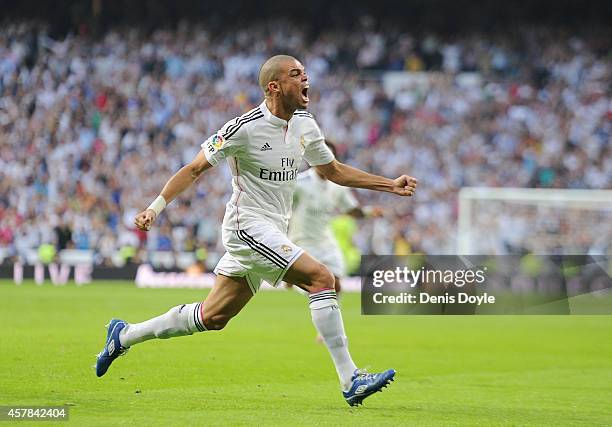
(265, 147)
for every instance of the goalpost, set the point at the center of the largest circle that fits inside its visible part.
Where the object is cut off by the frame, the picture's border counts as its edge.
(496, 221)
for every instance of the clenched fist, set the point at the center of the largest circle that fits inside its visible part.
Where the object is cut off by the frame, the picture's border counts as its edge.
(145, 219)
(404, 185)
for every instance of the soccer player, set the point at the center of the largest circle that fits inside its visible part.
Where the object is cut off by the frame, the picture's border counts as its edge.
(264, 149)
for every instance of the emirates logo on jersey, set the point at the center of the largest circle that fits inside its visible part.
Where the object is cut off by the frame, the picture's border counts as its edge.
(278, 175)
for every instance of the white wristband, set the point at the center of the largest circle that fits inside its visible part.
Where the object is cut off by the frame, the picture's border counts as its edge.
(158, 205)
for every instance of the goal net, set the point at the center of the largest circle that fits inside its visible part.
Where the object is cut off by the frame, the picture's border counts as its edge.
(499, 221)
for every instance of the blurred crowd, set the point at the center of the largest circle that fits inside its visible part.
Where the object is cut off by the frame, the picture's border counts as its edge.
(91, 128)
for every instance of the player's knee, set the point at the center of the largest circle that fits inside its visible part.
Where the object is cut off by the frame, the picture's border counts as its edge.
(215, 322)
(323, 279)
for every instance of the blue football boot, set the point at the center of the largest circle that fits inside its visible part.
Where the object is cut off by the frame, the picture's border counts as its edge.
(112, 348)
(364, 384)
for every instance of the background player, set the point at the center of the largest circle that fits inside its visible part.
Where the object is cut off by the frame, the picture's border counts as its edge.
(264, 148)
(315, 203)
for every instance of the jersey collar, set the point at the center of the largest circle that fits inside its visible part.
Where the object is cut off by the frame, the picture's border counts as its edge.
(271, 117)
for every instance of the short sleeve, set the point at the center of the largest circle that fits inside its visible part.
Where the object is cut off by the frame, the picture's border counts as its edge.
(315, 151)
(227, 142)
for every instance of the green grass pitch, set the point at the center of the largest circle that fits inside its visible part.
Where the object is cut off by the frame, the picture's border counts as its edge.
(265, 368)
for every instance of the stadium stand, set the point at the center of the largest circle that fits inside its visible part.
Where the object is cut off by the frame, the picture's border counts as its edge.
(91, 127)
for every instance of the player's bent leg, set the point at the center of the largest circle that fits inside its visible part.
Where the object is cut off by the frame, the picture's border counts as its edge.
(319, 338)
(310, 274)
(228, 296)
(319, 281)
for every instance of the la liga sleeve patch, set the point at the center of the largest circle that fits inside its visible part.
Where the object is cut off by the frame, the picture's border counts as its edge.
(215, 143)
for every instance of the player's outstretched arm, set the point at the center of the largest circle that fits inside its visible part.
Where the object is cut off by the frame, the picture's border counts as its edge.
(179, 182)
(349, 176)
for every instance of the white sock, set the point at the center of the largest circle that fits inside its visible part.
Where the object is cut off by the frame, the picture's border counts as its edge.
(328, 321)
(178, 321)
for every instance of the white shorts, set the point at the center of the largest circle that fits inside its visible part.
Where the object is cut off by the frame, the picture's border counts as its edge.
(257, 253)
(328, 254)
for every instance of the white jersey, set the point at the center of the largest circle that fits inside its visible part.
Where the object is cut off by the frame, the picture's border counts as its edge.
(317, 201)
(264, 153)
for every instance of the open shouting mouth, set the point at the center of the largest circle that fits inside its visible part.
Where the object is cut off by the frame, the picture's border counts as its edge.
(305, 93)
